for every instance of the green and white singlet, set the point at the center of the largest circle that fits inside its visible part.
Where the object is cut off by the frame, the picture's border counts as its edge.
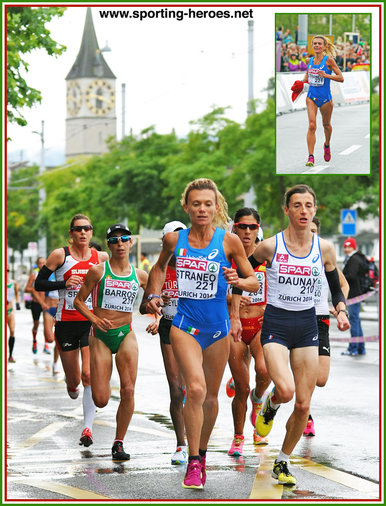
(117, 293)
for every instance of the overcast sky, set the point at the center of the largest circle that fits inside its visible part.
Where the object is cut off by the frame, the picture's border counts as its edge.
(174, 71)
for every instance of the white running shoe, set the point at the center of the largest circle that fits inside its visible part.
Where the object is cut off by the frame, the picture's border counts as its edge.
(180, 456)
(55, 368)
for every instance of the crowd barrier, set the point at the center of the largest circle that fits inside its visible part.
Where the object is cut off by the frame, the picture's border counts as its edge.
(354, 90)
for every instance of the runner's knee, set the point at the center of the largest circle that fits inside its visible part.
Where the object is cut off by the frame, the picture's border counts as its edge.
(284, 393)
(127, 391)
(312, 126)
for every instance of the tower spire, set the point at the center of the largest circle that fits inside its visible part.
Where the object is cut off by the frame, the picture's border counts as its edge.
(90, 61)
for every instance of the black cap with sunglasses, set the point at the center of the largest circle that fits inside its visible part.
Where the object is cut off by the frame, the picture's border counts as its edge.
(117, 226)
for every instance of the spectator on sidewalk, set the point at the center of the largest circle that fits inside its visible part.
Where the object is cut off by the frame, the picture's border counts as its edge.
(353, 268)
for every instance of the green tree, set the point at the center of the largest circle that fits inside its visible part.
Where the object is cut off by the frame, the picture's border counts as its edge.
(26, 31)
(22, 208)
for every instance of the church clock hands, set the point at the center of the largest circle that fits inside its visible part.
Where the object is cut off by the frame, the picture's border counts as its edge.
(100, 97)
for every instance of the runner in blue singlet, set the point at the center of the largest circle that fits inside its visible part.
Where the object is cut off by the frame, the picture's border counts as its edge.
(200, 329)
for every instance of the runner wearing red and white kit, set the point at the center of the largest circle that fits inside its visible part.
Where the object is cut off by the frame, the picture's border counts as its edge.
(252, 305)
(71, 265)
(66, 311)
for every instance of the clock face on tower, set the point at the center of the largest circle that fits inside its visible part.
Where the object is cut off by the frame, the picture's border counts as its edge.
(74, 98)
(100, 97)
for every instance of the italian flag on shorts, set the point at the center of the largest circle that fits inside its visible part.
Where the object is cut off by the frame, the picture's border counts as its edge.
(192, 331)
(181, 252)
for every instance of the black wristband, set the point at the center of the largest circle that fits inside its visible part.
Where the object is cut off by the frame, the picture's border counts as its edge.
(254, 262)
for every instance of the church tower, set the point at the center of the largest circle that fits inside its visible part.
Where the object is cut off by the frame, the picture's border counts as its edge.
(91, 116)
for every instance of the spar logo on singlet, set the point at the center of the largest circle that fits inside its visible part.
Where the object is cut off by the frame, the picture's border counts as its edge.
(197, 264)
(281, 257)
(295, 270)
(118, 284)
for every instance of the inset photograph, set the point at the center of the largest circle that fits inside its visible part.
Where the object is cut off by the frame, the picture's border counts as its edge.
(323, 90)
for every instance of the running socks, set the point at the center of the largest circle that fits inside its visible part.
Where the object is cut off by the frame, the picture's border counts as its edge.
(256, 399)
(282, 457)
(11, 344)
(88, 407)
(273, 399)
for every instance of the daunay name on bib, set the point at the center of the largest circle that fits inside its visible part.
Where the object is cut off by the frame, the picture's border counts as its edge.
(119, 295)
(314, 79)
(298, 283)
(197, 278)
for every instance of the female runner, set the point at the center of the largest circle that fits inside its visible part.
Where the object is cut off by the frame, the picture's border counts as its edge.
(318, 76)
(252, 305)
(71, 265)
(200, 328)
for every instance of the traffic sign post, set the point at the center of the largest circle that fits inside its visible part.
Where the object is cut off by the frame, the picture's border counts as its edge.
(348, 219)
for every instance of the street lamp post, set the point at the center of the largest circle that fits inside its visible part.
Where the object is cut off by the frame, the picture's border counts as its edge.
(42, 242)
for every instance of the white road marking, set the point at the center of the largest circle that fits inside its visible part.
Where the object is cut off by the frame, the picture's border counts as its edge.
(367, 136)
(351, 149)
(316, 169)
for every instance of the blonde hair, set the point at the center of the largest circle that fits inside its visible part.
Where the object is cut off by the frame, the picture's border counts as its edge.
(221, 218)
(330, 50)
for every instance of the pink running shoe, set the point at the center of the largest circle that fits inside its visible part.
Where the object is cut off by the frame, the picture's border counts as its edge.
(327, 153)
(311, 161)
(256, 407)
(203, 470)
(309, 431)
(230, 388)
(259, 440)
(193, 475)
(237, 446)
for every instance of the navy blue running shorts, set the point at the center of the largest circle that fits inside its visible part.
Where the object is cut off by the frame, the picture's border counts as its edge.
(293, 329)
(204, 334)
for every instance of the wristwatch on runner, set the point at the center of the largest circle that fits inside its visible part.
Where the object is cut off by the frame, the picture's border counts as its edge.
(344, 311)
(152, 296)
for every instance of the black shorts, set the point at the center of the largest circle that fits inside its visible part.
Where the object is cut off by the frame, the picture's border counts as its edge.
(36, 310)
(164, 330)
(72, 335)
(323, 331)
(293, 329)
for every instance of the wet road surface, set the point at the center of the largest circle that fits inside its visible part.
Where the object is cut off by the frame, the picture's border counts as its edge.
(45, 462)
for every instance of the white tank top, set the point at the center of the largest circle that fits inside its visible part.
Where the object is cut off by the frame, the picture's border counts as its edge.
(294, 281)
(321, 305)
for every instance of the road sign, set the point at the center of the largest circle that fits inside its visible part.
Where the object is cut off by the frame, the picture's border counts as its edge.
(348, 219)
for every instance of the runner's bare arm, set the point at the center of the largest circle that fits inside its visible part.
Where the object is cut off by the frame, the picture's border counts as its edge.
(338, 298)
(157, 276)
(235, 249)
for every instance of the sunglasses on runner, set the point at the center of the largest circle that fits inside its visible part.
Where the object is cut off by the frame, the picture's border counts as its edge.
(244, 226)
(115, 240)
(79, 228)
